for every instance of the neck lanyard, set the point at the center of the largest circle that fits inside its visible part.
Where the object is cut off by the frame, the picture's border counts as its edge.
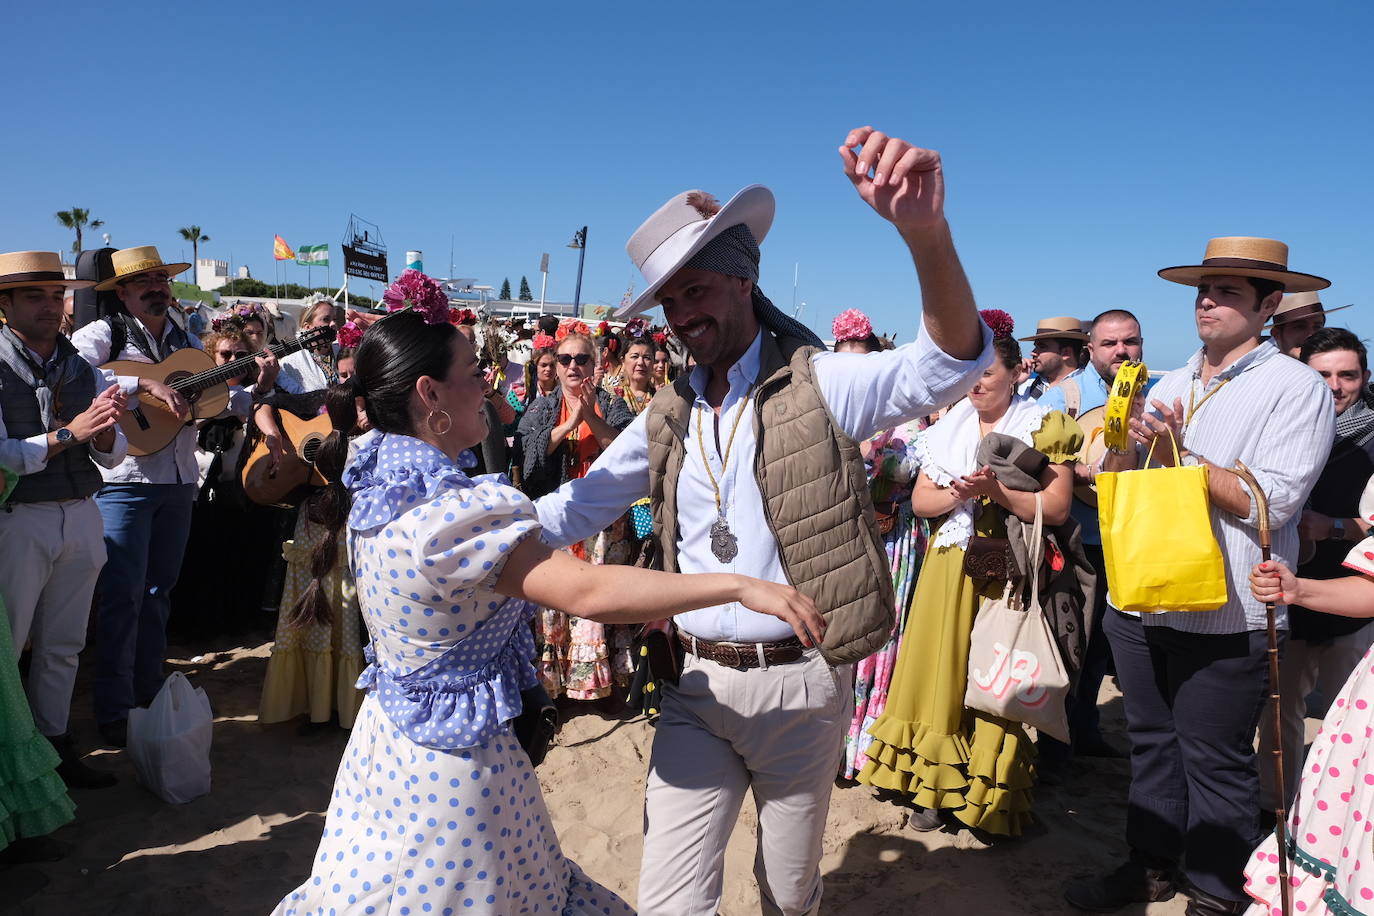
(725, 459)
(1194, 408)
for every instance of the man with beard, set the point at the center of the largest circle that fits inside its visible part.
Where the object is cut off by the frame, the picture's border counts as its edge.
(145, 502)
(1056, 352)
(751, 464)
(57, 425)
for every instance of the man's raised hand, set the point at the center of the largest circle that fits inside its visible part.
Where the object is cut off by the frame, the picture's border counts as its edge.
(907, 186)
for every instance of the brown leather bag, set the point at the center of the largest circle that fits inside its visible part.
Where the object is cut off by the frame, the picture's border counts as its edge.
(989, 558)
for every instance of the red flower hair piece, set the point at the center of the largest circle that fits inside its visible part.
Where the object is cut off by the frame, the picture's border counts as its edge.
(999, 322)
(350, 335)
(413, 289)
(851, 324)
(543, 342)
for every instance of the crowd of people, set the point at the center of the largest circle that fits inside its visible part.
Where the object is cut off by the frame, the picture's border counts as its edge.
(492, 515)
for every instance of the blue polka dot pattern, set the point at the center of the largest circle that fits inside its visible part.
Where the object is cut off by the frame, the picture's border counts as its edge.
(436, 808)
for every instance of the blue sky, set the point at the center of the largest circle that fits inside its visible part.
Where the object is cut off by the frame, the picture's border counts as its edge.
(1086, 145)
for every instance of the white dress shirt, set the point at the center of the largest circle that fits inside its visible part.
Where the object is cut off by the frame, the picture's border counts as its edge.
(1275, 414)
(177, 462)
(29, 456)
(865, 393)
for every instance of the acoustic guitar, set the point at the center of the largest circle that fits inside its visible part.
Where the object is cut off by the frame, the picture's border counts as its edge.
(297, 468)
(191, 373)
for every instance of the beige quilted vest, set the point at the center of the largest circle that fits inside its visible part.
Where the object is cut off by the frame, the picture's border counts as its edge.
(815, 493)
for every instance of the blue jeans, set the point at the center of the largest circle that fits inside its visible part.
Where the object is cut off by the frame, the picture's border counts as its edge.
(146, 527)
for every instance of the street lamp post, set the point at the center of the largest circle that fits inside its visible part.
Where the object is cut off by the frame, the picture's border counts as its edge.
(579, 241)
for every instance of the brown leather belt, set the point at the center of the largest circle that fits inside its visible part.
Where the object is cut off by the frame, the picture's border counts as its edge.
(743, 654)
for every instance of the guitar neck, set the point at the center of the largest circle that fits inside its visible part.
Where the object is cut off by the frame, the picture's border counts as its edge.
(221, 374)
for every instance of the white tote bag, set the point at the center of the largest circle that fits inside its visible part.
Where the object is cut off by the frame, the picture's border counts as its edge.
(1015, 670)
(170, 741)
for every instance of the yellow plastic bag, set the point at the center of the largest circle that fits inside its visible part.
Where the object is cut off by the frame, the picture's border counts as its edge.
(1157, 538)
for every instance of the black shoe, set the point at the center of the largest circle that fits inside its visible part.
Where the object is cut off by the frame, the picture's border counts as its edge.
(1097, 747)
(1201, 903)
(924, 820)
(1132, 882)
(115, 734)
(73, 771)
(30, 850)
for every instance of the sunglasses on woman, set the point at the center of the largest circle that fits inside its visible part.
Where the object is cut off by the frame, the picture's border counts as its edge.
(567, 359)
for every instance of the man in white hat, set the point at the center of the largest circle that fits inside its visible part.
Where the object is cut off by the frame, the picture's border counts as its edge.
(1299, 316)
(58, 421)
(752, 466)
(146, 501)
(1193, 683)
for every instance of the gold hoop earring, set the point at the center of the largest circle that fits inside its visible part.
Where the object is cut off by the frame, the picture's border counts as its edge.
(433, 427)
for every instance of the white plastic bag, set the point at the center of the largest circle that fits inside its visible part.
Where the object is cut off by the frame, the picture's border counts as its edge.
(170, 741)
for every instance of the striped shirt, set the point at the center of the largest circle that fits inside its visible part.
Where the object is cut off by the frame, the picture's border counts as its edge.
(1276, 415)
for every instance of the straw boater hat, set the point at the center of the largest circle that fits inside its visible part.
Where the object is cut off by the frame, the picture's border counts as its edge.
(682, 227)
(1301, 305)
(35, 268)
(1240, 256)
(1062, 327)
(130, 262)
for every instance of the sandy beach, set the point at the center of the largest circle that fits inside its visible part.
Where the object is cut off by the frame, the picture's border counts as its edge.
(241, 848)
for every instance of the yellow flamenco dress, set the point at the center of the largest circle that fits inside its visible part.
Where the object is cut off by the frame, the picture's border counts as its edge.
(927, 744)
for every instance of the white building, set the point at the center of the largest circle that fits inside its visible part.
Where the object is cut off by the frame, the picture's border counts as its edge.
(211, 274)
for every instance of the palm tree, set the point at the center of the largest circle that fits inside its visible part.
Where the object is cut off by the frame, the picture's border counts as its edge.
(77, 218)
(192, 235)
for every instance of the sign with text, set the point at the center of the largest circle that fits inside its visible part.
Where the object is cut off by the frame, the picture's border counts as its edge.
(365, 266)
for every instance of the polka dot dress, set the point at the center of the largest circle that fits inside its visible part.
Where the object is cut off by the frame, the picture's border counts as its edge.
(1330, 828)
(429, 826)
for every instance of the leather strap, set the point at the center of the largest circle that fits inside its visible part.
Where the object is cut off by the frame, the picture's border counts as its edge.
(743, 654)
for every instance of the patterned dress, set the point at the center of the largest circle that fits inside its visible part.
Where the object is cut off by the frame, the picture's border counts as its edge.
(892, 474)
(1331, 823)
(436, 808)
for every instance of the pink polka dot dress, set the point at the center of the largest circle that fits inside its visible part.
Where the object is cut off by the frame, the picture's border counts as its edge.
(436, 810)
(1330, 831)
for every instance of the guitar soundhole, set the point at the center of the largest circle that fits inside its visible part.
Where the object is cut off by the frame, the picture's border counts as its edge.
(310, 448)
(172, 379)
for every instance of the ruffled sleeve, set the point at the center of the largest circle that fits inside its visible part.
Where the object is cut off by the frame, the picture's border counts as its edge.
(1059, 437)
(463, 538)
(1361, 557)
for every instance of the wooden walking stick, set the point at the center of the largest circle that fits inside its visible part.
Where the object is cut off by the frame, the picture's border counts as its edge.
(1276, 707)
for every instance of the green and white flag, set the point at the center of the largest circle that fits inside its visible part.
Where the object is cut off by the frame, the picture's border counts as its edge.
(312, 255)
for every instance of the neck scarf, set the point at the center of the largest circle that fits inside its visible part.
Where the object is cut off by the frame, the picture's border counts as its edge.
(950, 448)
(1354, 427)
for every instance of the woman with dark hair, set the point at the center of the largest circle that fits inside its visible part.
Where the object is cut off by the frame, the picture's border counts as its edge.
(928, 749)
(435, 803)
(317, 653)
(541, 372)
(560, 435)
(637, 387)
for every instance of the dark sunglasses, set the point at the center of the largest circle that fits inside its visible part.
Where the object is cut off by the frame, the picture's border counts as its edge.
(567, 359)
(236, 354)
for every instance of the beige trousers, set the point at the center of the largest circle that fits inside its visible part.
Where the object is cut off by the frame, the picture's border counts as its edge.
(777, 732)
(1303, 667)
(51, 554)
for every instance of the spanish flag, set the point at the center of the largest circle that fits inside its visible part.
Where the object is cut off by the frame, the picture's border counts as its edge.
(280, 250)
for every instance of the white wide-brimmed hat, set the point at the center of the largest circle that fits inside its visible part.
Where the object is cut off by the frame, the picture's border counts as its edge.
(682, 227)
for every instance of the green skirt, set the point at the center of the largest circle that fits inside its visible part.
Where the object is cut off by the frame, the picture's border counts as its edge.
(33, 798)
(927, 744)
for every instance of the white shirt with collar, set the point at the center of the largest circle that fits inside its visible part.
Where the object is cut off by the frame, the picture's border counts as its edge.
(177, 462)
(29, 456)
(865, 393)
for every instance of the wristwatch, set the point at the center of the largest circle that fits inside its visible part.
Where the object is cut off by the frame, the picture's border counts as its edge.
(65, 436)
(1337, 530)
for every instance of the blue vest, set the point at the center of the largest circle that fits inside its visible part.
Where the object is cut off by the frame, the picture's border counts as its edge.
(71, 474)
